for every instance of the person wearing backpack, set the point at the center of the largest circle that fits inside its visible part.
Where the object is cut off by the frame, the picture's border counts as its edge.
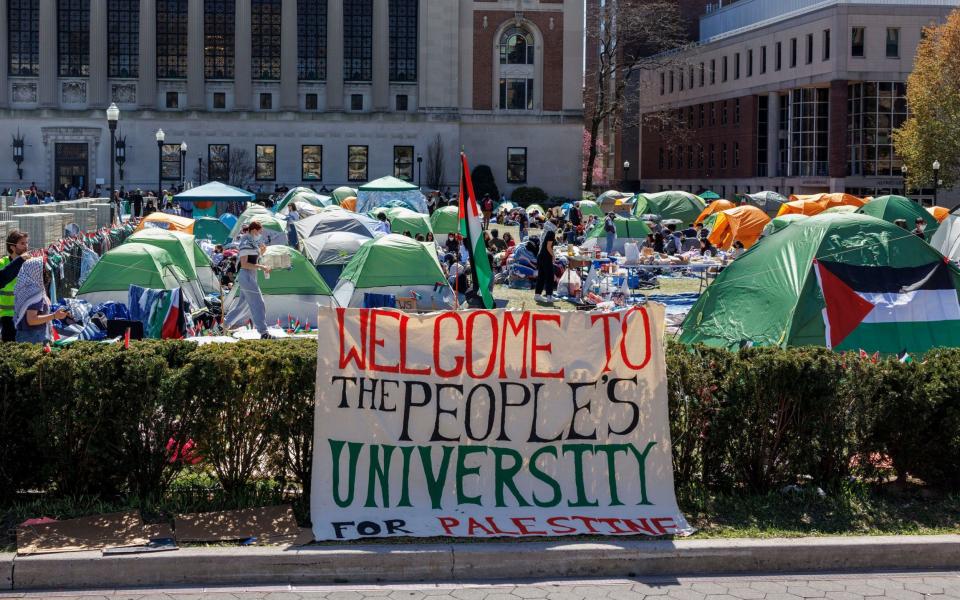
(487, 210)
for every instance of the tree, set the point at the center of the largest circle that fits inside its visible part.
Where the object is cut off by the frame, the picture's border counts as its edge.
(630, 38)
(598, 175)
(933, 94)
(484, 183)
(240, 169)
(435, 163)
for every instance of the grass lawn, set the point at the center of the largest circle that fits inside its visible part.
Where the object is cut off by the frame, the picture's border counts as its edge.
(519, 299)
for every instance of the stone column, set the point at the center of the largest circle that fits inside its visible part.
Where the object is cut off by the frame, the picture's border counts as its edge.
(289, 99)
(48, 95)
(334, 55)
(4, 60)
(773, 134)
(147, 82)
(381, 55)
(98, 84)
(196, 94)
(242, 87)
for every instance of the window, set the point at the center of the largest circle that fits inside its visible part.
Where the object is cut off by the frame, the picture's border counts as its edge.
(356, 101)
(713, 114)
(218, 47)
(403, 162)
(723, 113)
(358, 41)
(712, 160)
(893, 42)
(516, 165)
(403, 40)
(123, 43)
(808, 134)
(357, 163)
(266, 101)
(669, 159)
(736, 65)
(661, 163)
(218, 162)
(219, 99)
(170, 162)
(402, 103)
(713, 71)
(265, 39)
(266, 169)
(809, 48)
(763, 60)
(793, 52)
(517, 94)
(736, 155)
(679, 157)
(699, 156)
(778, 56)
(700, 121)
(763, 122)
(750, 62)
(826, 44)
(723, 155)
(172, 39)
(736, 111)
(724, 68)
(310, 102)
(691, 77)
(680, 77)
(857, 35)
(73, 37)
(663, 82)
(689, 157)
(311, 40)
(23, 27)
(671, 82)
(874, 109)
(311, 163)
(516, 47)
(701, 74)
(173, 100)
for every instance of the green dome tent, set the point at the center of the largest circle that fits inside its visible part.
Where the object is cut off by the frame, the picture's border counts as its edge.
(303, 198)
(709, 195)
(629, 229)
(846, 281)
(536, 208)
(398, 266)
(342, 193)
(186, 253)
(390, 191)
(293, 292)
(589, 207)
(891, 208)
(780, 223)
(840, 209)
(331, 251)
(274, 227)
(683, 206)
(131, 264)
(445, 220)
(209, 228)
(403, 220)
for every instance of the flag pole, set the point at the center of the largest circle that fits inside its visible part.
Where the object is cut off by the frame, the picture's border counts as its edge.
(463, 209)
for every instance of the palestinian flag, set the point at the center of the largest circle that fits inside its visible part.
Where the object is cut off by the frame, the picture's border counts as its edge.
(872, 299)
(472, 231)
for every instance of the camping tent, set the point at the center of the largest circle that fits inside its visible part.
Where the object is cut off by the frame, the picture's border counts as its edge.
(743, 223)
(891, 208)
(939, 212)
(274, 226)
(390, 191)
(781, 223)
(187, 255)
(208, 228)
(403, 220)
(800, 207)
(536, 208)
(846, 281)
(304, 198)
(397, 266)
(131, 264)
(505, 206)
(228, 219)
(215, 192)
(670, 205)
(445, 220)
(947, 238)
(629, 229)
(336, 220)
(159, 220)
(714, 207)
(813, 204)
(329, 252)
(709, 195)
(293, 292)
(768, 202)
(342, 193)
(840, 209)
(589, 207)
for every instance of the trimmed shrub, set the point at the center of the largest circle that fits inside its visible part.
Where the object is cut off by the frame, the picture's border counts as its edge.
(484, 183)
(525, 196)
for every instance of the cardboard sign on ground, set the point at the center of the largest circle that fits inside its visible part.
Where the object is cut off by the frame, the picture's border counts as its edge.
(88, 533)
(270, 524)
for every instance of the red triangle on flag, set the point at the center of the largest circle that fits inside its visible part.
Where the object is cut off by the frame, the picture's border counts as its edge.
(845, 309)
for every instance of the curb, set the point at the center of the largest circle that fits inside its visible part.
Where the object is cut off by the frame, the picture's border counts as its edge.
(488, 560)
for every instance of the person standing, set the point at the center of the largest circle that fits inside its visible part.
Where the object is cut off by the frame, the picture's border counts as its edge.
(545, 268)
(250, 298)
(610, 229)
(575, 216)
(17, 247)
(137, 201)
(487, 210)
(293, 215)
(32, 316)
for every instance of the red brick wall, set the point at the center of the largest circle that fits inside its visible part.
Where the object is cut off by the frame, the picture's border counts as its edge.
(483, 51)
(838, 128)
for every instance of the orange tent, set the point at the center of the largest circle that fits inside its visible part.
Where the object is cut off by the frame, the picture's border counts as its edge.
(805, 204)
(349, 203)
(801, 207)
(939, 212)
(744, 223)
(169, 222)
(714, 207)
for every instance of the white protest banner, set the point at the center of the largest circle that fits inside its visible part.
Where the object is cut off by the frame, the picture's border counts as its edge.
(492, 423)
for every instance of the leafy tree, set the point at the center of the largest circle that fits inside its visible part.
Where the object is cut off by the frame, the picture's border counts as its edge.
(484, 183)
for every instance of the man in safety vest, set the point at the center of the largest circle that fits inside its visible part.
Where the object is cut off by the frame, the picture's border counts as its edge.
(17, 247)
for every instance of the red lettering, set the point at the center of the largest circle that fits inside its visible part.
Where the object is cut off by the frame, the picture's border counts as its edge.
(374, 341)
(471, 328)
(354, 354)
(517, 328)
(646, 333)
(587, 522)
(404, 322)
(554, 522)
(613, 525)
(607, 342)
(474, 524)
(641, 526)
(664, 525)
(498, 530)
(519, 523)
(537, 348)
(458, 368)
(448, 523)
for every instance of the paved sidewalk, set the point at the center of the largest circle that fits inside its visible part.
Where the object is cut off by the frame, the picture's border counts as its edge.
(855, 586)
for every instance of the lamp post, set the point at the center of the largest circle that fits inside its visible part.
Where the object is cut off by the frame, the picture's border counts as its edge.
(113, 115)
(199, 170)
(120, 155)
(936, 179)
(183, 164)
(419, 163)
(626, 172)
(18, 153)
(160, 136)
(903, 171)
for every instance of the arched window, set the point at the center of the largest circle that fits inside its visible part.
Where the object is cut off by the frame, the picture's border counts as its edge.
(516, 47)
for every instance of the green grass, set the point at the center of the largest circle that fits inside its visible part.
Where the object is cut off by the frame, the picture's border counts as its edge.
(518, 299)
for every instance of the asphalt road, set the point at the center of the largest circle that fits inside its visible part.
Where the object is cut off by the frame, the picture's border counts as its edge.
(853, 586)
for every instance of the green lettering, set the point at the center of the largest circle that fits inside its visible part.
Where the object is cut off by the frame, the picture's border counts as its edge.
(536, 472)
(435, 484)
(611, 450)
(379, 471)
(642, 469)
(464, 471)
(407, 451)
(503, 476)
(578, 450)
(335, 447)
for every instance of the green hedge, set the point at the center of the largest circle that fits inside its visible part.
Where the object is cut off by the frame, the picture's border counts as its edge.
(95, 420)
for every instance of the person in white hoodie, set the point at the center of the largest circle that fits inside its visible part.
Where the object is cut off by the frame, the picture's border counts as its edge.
(20, 199)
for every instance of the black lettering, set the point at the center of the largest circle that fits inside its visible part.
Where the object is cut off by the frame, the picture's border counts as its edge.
(408, 403)
(343, 388)
(612, 396)
(491, 410)
(437, 436)
(505, 392)
(365, 391)
(384, 394)
(534, 436)
(368, 528)
(573, 434)
(339, 526)
(396, 526)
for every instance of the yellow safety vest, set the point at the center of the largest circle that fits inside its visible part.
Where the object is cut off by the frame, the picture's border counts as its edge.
(6, 293)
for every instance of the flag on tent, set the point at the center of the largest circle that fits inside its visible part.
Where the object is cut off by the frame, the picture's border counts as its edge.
(905, 357)
(856, 295)
(472, 230)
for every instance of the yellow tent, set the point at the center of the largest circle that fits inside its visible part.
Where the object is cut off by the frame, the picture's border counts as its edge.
(743, 223)
(169, 222)
(714, 207)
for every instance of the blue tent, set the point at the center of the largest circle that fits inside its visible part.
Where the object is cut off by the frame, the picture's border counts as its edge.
(228, 219)
(216, 192)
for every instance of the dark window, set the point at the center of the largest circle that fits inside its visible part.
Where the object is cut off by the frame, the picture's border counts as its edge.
(663, 82)
(73, 37)
(736, 155)
(266, 169)
(403, 40)
(724, 69)
(266, 101)
(357, 40)
(661, 162)
(700, 120)
(680, 77)
(793, 52)
(701, 74)
(723, 113)
(689, 157)
(736, 66)
(402, 102)
(170, 162)
(712, 159)
(219, 100)
(356, 101)
(736, 111)
(763, 60)
(669, 159)
(310, 102)
(809, 48)
(357, 163)
(173, 99)
(516, 47)
(671, 82)
(218, 162)
(723, 155)
(691, 77)
(826, 44)
(218, 26)
(311, 40)
(123, 41)
(713, 71)
(893, 42)
(750, 62)
(23, 27)
(713, 114)
(778, 57)
(699, 156)
(857, 35)
(265, 39)
(311, 163)
(172, 39)
(517, 94)
(403, 162)
(516, 165)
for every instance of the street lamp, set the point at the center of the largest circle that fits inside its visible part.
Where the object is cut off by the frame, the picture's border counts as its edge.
(626, 172)
(121, 154)
(183, 163)
(160, 136)
(903, 171)
(936, 179)
(18, 153)
(419, 163)
(199, 170)
(113, 115)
